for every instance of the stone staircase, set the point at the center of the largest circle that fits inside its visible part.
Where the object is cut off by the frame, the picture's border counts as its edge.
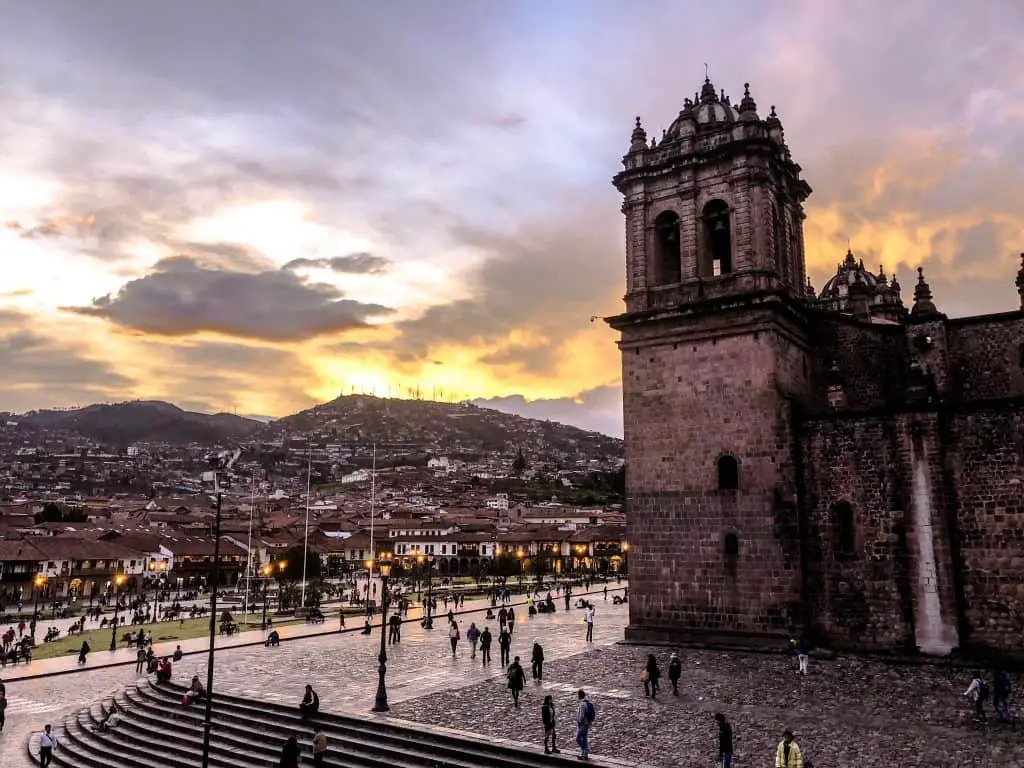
(156, 731)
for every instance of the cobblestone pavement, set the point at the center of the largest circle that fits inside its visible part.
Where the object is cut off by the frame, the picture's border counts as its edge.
(850, 713)
(343, 668)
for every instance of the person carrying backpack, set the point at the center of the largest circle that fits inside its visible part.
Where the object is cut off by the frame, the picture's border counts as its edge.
(516, 680)
(978, 692)
(585, 717)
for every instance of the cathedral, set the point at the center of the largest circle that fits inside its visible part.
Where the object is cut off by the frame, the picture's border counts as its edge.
(827, 463)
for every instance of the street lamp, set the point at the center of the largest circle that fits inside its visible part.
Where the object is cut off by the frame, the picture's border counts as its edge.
(162, 568)
(39, 581)
(281, 565)
(522, 567)
(428, 621)
(380, 703)
(625, 557)
(119, 579)
(368, 564)
(266, 570)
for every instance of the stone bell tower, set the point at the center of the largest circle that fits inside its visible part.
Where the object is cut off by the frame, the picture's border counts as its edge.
(714, 353)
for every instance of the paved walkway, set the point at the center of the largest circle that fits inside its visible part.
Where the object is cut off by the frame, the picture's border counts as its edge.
(342, 666)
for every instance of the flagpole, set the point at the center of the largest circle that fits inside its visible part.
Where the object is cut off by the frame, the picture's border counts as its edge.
(248, 559)
(305, 538)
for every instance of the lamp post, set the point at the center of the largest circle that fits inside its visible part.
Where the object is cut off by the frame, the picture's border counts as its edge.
(281, 565)
(39, 581)
(118, 581)
(162, 569)
(522, 567)
(380, 703)
(625, 558)
(428, 620)
(266, 570)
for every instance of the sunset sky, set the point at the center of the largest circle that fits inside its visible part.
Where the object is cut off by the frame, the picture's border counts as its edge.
(256, 206)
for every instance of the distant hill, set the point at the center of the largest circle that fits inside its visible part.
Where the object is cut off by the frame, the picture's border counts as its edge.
(447, 426)
(140, 421)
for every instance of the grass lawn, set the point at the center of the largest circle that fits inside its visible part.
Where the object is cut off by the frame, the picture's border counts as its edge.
(99, 639)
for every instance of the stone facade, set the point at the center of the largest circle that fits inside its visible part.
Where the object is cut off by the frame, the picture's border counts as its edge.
(828, 463)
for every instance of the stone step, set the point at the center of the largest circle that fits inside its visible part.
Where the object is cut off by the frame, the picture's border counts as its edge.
(157, 731)
(375, 733)
(253, 737)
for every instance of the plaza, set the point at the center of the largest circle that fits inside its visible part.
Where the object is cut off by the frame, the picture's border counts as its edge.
(847, 712)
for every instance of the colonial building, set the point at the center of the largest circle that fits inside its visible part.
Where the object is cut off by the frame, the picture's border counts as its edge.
(830, 463)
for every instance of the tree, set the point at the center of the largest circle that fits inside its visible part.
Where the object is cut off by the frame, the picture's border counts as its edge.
(293, 571)
(51, 514)
(519, 464)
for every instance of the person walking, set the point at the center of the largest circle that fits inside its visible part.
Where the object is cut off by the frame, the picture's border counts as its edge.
(803, 653)
(606, 593)
(83, 652)
(586, 714)
(978, 692)
(516, 680)
(319, 747)
(502, 618)
(537, 661)
(675, 670)
(788, 754)
(473, 635)
(504, 644)
(453, 636)
(485, 646)
(651, 675)
(588, 616)
(47, 743)
(511, 619)
(140, 661)
(724, 741)
(290, 754)
(547, 717)
(3, 704)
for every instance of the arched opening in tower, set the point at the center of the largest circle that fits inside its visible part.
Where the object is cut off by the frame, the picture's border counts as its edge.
(717, 245)
(667, 252)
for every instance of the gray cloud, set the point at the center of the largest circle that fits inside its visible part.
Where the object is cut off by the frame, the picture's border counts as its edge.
(598, 409)
(353, 263)
(41, 371)
(182, 297)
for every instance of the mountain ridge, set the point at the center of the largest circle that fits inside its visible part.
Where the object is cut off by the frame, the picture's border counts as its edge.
(349, 418)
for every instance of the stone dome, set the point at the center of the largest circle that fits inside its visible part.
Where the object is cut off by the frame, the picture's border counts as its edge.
(717, 112)
(850, 273)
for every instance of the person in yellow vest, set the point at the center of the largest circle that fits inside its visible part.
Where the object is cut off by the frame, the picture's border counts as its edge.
(788, 754)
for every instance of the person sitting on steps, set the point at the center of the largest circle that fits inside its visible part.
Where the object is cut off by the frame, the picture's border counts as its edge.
(310, 703)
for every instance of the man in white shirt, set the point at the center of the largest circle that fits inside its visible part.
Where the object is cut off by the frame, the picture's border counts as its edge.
(588, 616)
(47, 743)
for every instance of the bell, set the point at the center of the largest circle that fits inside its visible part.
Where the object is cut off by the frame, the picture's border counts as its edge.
(719, 226)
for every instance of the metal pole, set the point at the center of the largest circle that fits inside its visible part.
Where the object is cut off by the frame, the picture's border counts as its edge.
(213, 638)
(248, 553)
(266, 581)
(430, 592)
(305, 538)
(113, 630)
(380, 703)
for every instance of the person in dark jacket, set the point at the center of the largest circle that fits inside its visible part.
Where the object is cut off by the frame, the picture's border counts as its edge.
(290, 754)
(516, 680)
(547, 716)
(485, 646)
(724, 741)
(537, 661)
(504, 645)
(675, 670)
(651, 676)
(83, 652)
(310, 703)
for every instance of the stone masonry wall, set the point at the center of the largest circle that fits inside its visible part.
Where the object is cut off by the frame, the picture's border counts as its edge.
(686, 404)
(987, 358)
(988, 469)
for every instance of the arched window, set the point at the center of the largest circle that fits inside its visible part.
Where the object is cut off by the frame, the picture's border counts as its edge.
(845, 526)
(717, 240)
(728, 473)
(668, 266)
(732, 545)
